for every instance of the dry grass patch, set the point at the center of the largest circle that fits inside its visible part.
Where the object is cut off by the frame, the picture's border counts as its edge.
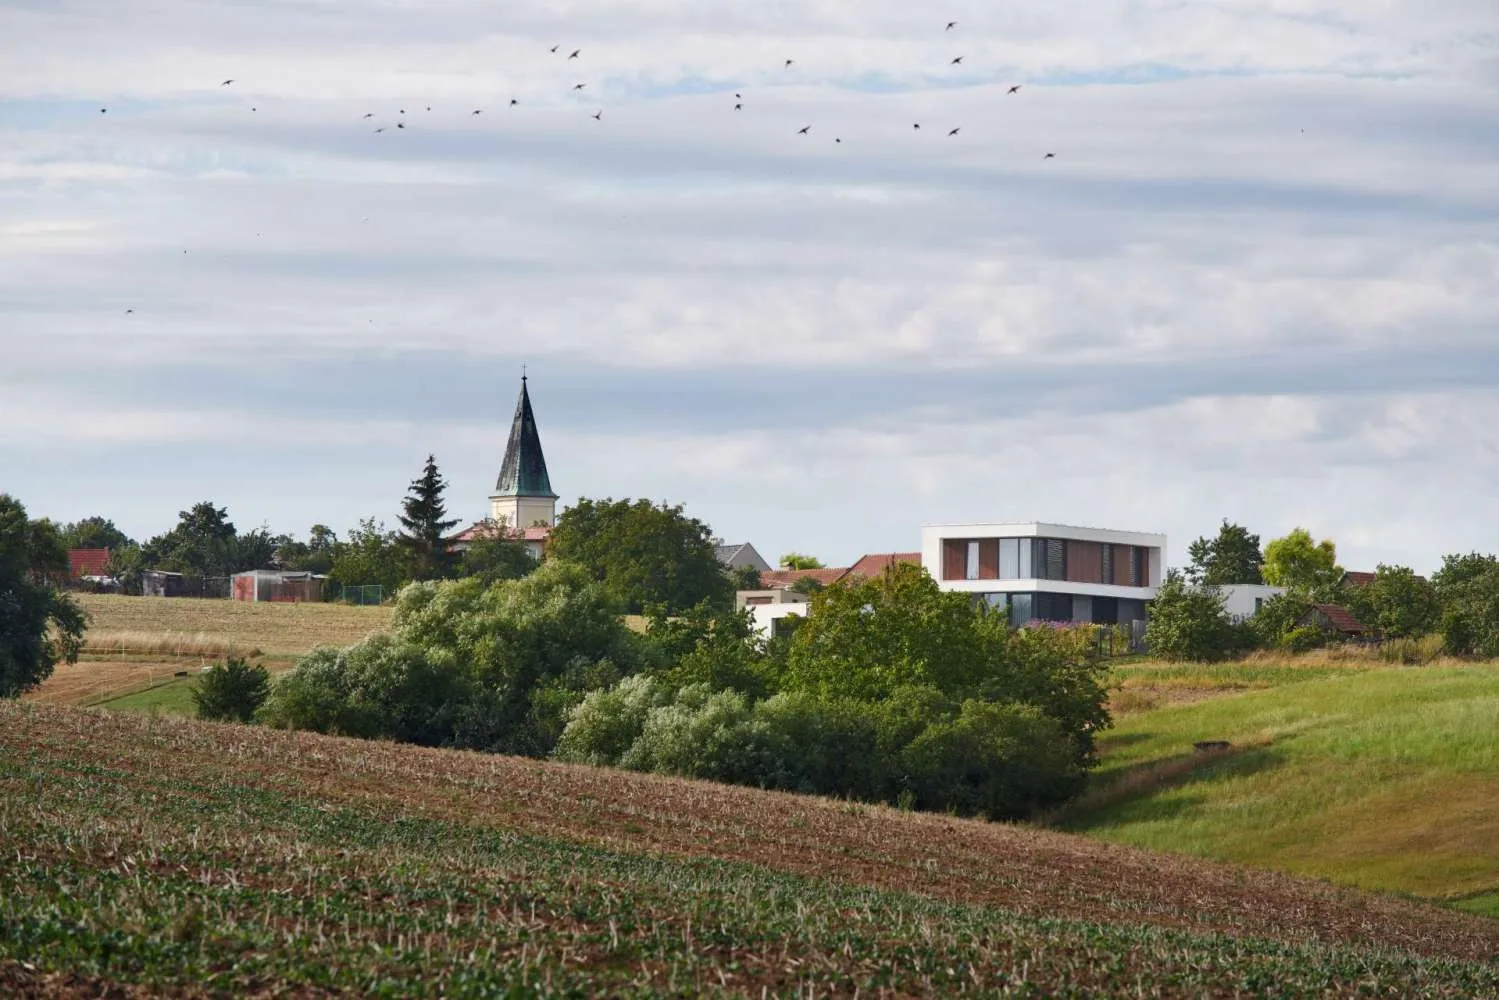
(275, 629)
(200, 645)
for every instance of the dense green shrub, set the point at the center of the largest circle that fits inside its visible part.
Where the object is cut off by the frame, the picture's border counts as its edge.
(383, 687)
(605, 724)
(1277, 619)
(1467, 588)
(468, 665)
(1190, 623)
(232, 691)
(1001, 761)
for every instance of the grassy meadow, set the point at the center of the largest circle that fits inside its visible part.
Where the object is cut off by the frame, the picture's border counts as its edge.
(148, 855)
(1373, 776)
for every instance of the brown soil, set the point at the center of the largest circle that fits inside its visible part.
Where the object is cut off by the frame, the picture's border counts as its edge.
(1032, 871)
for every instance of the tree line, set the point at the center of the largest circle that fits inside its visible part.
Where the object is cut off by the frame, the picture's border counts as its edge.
(1456, 611)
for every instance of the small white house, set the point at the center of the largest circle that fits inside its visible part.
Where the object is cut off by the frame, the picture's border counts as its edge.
(770, 619)
(1243, 601)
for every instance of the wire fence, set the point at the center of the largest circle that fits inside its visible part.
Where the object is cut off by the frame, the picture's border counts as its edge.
(372, 593)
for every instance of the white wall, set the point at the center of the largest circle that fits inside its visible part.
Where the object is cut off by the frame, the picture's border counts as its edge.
(1239, 598)
(762, 615)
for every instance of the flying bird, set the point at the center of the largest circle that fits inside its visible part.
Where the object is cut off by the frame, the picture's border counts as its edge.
(103, 111)
(429, 107)
(579, 86)
(789, 62)
(403, 111)
(738, 96)
(370, 115)
(950, 25)
(838, 140)
(556, 47)
(600, 116)
(956, 61)
(739, 107)
(380, 129)
(513, 102)
(1049, 156)
(226, 83)
(917, 126)
(955, 131)
(805, 130)
(1015, 89)
(575, 53)
(476, 112)
(400, 124)
(129, 311)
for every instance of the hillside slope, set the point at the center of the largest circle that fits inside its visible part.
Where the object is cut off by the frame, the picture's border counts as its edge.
(168, 854)
(1380, 778)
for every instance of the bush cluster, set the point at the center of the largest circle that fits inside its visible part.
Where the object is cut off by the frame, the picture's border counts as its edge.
(891, 690)
(917, 748)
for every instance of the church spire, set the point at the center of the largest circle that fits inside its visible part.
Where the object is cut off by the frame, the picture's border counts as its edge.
(524, 471)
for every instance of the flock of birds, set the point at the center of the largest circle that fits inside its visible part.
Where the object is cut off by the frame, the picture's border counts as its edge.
(598, 115)
(805, 130)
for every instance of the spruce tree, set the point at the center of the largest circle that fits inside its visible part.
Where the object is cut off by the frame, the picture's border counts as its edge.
(424, 518)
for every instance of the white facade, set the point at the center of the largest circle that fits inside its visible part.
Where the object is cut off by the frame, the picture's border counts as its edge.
(768, 618)
(1243, 600)
(755, 598)
(1048, 571)
(523, 512)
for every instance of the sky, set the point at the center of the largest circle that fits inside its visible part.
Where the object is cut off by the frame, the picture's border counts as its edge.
(1258, 279)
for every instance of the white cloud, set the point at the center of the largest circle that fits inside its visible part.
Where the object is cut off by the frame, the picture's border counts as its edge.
(1264, 253)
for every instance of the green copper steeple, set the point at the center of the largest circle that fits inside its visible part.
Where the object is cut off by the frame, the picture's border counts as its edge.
(524, 472)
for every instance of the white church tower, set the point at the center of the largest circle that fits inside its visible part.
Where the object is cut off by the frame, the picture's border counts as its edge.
(523, 496)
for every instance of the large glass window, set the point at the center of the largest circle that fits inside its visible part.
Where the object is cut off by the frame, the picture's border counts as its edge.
(1009, 559)
(1022, 609)
(1108, 563)
(973, 561)
(1027, 567)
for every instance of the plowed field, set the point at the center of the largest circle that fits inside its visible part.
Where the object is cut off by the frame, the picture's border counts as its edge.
(155, 855)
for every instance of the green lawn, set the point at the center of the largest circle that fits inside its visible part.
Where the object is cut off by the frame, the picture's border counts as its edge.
(1382, 778)
(172, 697)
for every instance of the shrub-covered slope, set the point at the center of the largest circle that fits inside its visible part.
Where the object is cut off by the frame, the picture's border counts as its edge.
(159, 855)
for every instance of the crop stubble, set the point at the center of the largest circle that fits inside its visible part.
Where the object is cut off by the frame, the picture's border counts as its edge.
(577, 876)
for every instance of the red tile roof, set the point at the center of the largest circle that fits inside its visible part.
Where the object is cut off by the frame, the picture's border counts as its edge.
(782, 579)
(875, 564)
(87, 562)
(1341, 618)
(1361, 578)
(535, 533)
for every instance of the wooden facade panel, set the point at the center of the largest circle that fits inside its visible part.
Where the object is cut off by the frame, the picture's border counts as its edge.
(1085, 562)
(954, 558)
(989, 559)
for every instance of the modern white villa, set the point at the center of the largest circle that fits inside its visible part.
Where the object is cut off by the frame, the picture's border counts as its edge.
(1034, 571)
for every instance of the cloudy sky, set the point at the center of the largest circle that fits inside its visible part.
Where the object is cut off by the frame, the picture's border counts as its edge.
(1259, 280)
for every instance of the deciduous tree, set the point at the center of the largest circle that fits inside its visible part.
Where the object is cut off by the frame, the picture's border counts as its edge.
(646, 554)
(39, 625)
(1300, 564)
(1397, 603)
(1232, 557)
(1189, 622)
